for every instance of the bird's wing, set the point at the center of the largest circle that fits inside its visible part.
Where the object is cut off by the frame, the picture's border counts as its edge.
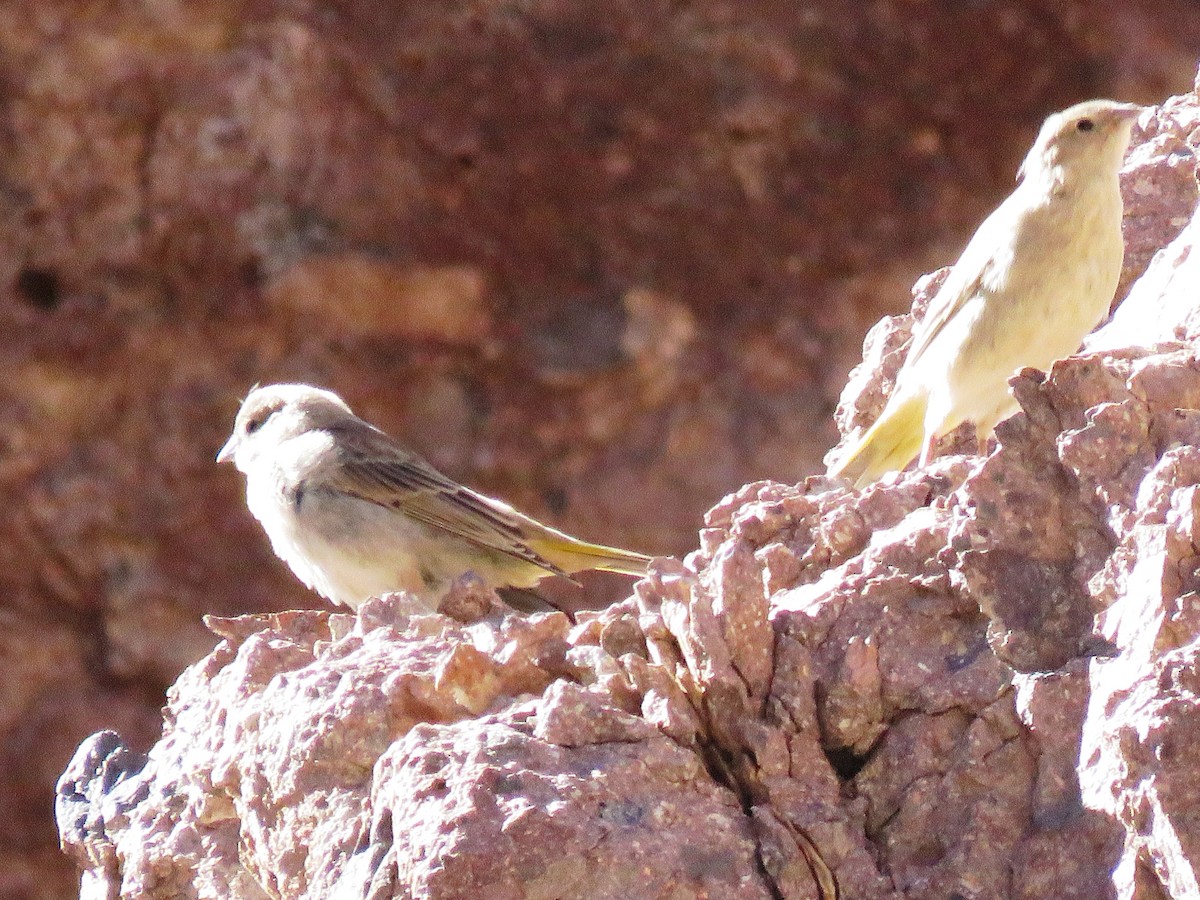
(374, 468)
(978, 265)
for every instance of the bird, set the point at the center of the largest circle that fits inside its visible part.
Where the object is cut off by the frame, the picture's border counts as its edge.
(355, 514)
(1036, 277)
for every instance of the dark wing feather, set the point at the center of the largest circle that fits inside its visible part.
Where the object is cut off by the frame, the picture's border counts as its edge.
(376, 469)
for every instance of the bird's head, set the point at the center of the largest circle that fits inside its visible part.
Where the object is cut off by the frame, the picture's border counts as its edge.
(1088, 139)
(272, 414)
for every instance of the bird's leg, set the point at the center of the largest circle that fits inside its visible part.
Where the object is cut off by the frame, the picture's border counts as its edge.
(982, 432)
(927, 447)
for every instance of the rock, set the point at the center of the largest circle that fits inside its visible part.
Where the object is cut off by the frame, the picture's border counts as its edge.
(415, 757)
(970, 680)
(655, 235)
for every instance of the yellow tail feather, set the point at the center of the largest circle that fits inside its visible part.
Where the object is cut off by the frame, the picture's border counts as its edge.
(889, 445)
(572, 555)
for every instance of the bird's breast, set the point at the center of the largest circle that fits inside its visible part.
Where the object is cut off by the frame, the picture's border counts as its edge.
(1043, 290)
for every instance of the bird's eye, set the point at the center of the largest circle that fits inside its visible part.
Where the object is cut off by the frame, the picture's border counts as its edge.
(259, 420)
(1085, 125)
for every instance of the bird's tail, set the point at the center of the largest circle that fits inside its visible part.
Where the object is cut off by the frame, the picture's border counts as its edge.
(890, 444)
(573, 555)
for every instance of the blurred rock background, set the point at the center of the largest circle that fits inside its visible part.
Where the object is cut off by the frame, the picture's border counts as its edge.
(607, 261)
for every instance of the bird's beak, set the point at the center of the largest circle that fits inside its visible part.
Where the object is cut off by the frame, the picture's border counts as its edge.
(1130, 111)
(226, 453)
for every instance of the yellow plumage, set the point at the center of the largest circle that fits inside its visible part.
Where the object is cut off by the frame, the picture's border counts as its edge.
(890, 444)
(573, 555)
(1036, 277)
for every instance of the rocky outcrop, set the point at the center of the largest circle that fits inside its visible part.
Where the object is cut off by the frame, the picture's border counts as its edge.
(973, 680)
(608, 262)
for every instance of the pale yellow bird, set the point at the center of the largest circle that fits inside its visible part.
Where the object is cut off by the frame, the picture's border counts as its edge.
(1037, 276)
(355, 514)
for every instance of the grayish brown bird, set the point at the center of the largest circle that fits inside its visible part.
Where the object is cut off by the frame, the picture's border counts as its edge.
(355, 514)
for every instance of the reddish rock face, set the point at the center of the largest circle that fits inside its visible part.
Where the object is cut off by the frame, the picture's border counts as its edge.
(972, 680)
(607, 263)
